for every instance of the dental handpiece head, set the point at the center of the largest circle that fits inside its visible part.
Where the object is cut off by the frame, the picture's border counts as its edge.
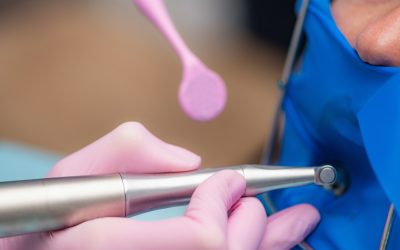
(325, 175)
(55, 203)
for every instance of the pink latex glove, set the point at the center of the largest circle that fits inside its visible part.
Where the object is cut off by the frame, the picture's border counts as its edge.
(216, 218)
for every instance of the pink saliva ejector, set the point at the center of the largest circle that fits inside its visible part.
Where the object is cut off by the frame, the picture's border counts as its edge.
(202, 93)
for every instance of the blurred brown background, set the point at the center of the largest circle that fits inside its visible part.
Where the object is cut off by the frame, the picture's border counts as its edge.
(71, 71)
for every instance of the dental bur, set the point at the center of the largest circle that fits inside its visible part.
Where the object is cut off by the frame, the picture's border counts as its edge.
(54, 203)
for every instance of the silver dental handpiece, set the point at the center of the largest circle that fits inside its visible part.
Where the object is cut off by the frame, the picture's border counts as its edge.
(54, 203)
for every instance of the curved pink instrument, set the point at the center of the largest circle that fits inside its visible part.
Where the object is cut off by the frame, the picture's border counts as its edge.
(202, 93)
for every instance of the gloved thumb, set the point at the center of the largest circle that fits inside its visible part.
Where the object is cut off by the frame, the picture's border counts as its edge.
(130, 148)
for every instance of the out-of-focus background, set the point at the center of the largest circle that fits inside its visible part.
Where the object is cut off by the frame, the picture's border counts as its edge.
(71, 71)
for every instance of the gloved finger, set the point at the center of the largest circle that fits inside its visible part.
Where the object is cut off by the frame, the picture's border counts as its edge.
(127, 234)
(123, 234)
(289, 227)
(246, 224)
(212, 200)
(203, 226)
(130, 148)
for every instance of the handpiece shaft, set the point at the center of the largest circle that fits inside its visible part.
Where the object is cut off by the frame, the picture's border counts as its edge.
(149, 192)
(56, 203)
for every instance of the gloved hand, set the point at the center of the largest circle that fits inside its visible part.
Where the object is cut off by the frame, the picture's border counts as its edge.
(216, 218)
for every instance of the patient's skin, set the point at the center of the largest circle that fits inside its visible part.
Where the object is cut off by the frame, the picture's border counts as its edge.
(372, 27)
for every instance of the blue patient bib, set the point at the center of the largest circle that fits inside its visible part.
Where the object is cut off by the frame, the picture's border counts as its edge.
(345, 112)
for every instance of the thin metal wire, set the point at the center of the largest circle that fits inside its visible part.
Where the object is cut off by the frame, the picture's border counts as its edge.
(287, 69)
(387, 229)
(294, 43)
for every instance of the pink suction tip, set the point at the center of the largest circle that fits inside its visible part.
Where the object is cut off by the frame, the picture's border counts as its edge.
(202, 93)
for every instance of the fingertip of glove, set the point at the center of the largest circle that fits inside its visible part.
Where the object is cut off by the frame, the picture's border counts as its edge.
(187, 159)
(233, 180)
(307, 219)
(309, 212)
